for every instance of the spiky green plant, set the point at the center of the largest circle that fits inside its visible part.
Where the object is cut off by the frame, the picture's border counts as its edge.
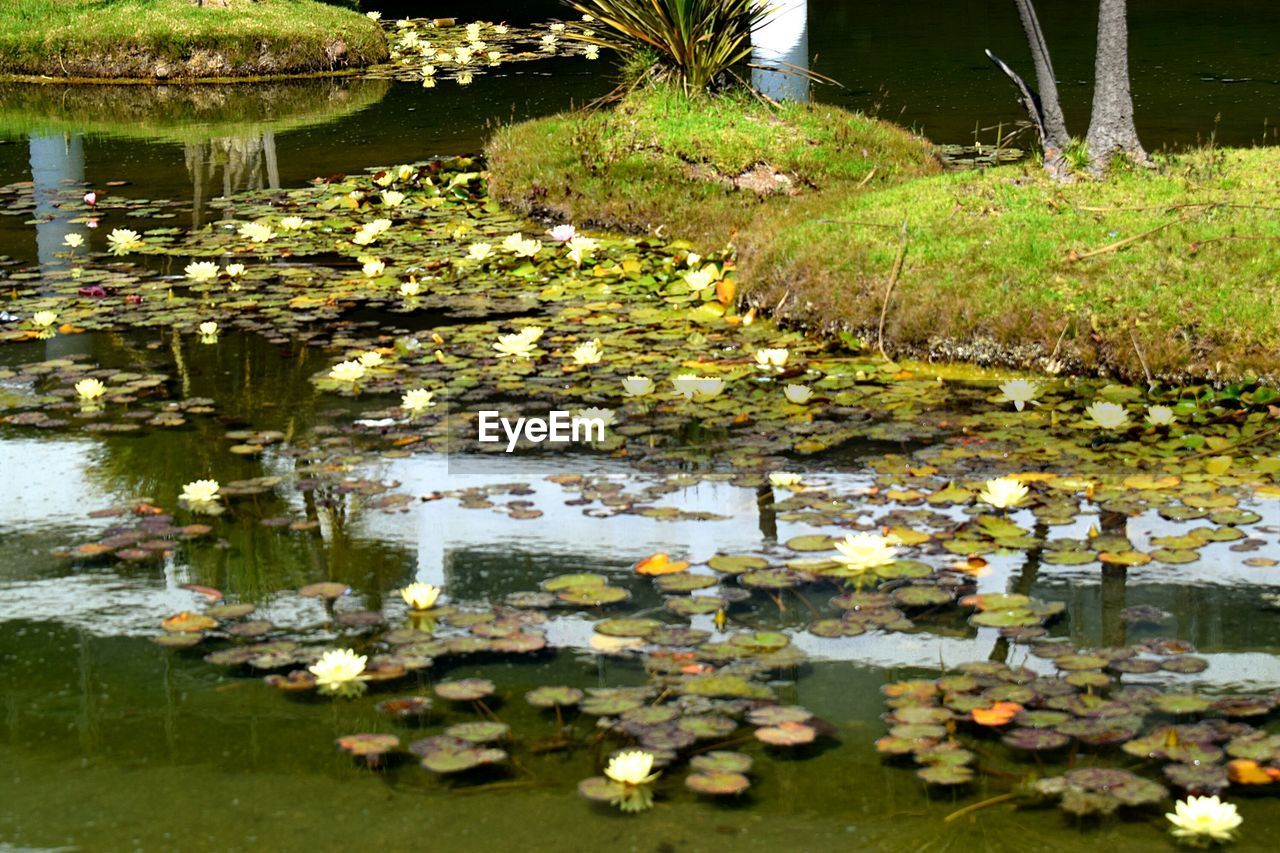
(697, 43)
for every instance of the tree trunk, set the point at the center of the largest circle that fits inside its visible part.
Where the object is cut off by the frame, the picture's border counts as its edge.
(1055, 126)
(1111, 128)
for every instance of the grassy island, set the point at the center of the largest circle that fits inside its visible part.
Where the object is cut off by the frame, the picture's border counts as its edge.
(179, 40)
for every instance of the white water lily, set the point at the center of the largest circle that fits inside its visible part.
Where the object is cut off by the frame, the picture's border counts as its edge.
(515, 346)
(44, 319)
(90, 389)
(73, 241)
(1019, 392)
(373, 16)
(631, 768)
(580, 248)
(372, 358)
(786, 480)
(347, 371)
(1003, 492)
(201, 270)
(257, 232)
(863, 551)
(121, 241)
(1201, 818)
(563, 233)
(420, 596)
(479, 251)
(208, 329)
(637, 386)
(520, 246)
(1107, 415)
(200, 492)
(293, 223)
(772, 357)
(703, 277)
(531, 333)
(391, 198)
(1160, 416)
(698, 388)
(234, 270)
(417, 400)
(406, 172)
(464, 78)
(373, 269)
(500, 29)
(410, 288)
(588, 353)
(371, 231)
(338, 670)
(592, 51)
(606, 416)
(798, 394)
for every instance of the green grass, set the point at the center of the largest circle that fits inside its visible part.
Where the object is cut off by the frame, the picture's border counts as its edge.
(176, 39)
(989, 267)
(662, 162)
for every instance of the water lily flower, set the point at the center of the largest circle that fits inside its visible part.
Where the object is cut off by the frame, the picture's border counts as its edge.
(863, 551)
(786, 480)
(373, 268)
(90, 389)
(479, 251)
(1019, 392)
(338, 671)
(588, 353)
(406, 172)
(557, 27)
(563, 233)
(1107, 415)
(73, 241)
(698, 388)
(1159, 416)
(631, 768)
(257, 232)
(410, 288)
(500, 29)
(580, 248)
(234, 270)
(515, 345)
(494, 56)
(391, 198)
(347, 371)
(521, 247)
(703, 277)
(417, 400)
(1204, 818)
(798, 394)
(371, 358)
(90, 198)
(464, 78)
(776, 357)
(531, 333)
(293, 223)
(201, 270)
(209, 329)
(404, 24)
(637, 386)
(1003, 492)
(200, 492)
(44, 319)
(121, 241)
(597, 414)
(373, 16)
(420, 596)
(592, 51)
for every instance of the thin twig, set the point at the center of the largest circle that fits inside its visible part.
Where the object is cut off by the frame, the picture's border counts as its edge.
(1074, 257)
(888, 292)
(991, 801)
(1142, 359)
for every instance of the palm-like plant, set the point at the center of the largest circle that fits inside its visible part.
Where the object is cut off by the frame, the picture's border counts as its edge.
(696, 43)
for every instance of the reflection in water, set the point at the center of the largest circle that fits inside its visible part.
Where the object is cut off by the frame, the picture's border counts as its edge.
(246, 162)
(57, 161)
(783, 42)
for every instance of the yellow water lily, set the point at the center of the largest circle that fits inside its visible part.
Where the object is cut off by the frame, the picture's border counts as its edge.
(208, 329)
(121, 241)
(479, 251)
(521, 246)
(515, 345)
(373, 269)
(798, 394)
(417, 400)
(44, 319)
(1107, 415)
(592, 52)
(631, 768)
(200, 492)
(605, 416)
(410, 288)
(338, 671)
(1204, 818)
(201, 270)
(1019, 392)
(637, 386)
(372, 358)
(90, 389)
(588, 353)
(863, 551)
(73, 241)
(698, 388)
(391, 198)
(257, 232)
(772, 357)
(786, 480)
(1003, 492)
(420, 596)
(580, 248)
(234, 270)
(531, 333)
(293, 223)
(347, 371)
(1160, 416)
(703, 277)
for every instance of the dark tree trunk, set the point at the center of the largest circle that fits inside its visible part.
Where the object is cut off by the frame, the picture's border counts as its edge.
(1111, 128)
(1055, 126)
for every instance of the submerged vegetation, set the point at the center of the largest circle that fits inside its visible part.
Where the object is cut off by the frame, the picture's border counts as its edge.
(178, 39)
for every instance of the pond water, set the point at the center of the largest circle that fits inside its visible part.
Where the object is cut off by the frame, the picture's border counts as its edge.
(1152, 548)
